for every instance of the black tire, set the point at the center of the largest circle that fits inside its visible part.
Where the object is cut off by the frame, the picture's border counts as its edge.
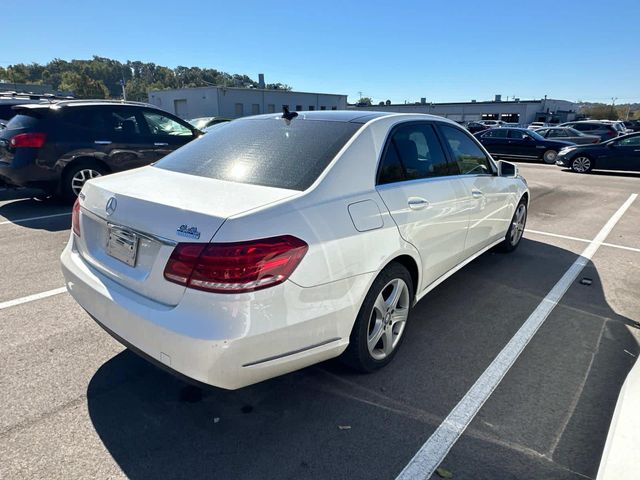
(67, 189)
(511, 242)
(581, 164)
(358, 355)
(549, 156)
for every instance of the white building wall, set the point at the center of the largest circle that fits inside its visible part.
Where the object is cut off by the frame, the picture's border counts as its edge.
(239, 102)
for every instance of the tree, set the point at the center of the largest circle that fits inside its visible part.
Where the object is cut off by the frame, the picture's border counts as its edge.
(601, 111)
(364, 101)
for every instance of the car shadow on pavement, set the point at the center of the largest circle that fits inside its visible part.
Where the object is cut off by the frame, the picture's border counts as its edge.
(610, 173)
(329, 422)
(23, 204)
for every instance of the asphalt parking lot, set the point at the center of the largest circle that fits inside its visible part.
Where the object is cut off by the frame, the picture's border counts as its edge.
(76, 404)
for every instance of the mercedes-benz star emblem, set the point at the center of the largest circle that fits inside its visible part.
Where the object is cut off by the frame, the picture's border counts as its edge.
(112, 204)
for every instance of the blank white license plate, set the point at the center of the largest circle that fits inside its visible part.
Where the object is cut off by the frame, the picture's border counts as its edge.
(122, 244)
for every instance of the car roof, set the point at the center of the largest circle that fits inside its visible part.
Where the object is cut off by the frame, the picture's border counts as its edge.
(83, 103)
(355, 116)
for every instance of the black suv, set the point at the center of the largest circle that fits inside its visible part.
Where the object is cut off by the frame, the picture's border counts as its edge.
(520, 143)
(605, 131)
(58, 146)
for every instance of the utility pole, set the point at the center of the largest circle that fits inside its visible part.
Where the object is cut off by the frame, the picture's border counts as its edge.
(613, 106)
(124, 92)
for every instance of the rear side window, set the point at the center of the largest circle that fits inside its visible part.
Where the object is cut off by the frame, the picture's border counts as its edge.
(470, 158)
(412, 152)
(263, 151)
(518, 134)
(496, 133)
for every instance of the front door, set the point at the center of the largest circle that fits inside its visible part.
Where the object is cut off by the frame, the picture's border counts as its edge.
(425, 201)
(488, 197)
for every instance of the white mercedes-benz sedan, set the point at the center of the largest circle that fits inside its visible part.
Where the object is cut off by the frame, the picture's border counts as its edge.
(273, 243)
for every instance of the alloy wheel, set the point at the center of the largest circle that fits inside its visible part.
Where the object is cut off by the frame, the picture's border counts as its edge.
(517, 226)
(550, 156)
(80, 177)
(581, 164)
(388, 319)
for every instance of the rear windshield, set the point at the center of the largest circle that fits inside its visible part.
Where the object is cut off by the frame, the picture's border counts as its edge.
(23, 121)
(263, 151)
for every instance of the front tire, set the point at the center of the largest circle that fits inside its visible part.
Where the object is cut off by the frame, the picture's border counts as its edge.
(516, 228)
(581, 164)
(550, 157)
(381, 322)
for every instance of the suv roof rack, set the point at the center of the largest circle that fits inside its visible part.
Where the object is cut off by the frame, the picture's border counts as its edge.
(98, 100)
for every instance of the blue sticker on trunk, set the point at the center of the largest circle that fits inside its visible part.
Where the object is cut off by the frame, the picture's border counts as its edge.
(189, 232)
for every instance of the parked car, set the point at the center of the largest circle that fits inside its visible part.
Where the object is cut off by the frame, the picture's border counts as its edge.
(622, 153)
(568, 135)
(270, 244)
(57, 146)
(633, 125)
(592, 127)
(475, 127)
(536, 125)
(203, 122)
(520, 143)
(492, 123)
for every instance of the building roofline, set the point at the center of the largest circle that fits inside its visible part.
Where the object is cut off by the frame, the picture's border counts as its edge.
(250, 89)
(483, 102)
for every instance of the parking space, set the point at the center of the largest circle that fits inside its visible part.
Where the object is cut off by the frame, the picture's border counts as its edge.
(78, 405)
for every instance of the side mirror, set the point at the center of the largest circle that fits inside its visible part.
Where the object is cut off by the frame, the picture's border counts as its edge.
(507, 169)
(611, 145)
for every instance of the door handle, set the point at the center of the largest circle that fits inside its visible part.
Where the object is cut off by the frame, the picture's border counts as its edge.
(161, 144)
(102, 142)
(417, 203)
(475, 193)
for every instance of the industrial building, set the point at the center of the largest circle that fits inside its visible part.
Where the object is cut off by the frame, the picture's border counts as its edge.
(235, 102)
(518, 111)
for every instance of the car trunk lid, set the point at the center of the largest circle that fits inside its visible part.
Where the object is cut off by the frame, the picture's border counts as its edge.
(155, 209)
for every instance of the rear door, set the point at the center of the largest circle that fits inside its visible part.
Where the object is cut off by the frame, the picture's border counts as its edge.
(166, 133)
(487, 196)
(495, 140)
(427, 203)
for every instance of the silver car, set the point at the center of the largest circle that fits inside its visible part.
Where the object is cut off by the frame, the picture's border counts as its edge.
(568, 134)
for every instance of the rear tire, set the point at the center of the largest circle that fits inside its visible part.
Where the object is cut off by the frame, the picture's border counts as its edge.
(381, 322)
(75, 177)
(581, 164)
(549, 157)
(516, 228)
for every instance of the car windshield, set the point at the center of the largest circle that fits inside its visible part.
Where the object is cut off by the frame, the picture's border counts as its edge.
(201, 122)
(535, 135)
(265, 151)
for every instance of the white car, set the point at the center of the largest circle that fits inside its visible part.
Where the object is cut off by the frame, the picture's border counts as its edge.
(492, 123)
(537, 125)
(271, 244)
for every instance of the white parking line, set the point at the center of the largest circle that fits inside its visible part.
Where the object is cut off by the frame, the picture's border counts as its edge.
(567, 237)
(29, 219)
(31, 298)
(436, 448)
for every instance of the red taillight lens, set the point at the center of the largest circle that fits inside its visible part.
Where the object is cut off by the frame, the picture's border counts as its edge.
(31, 140)
(235, 267)
(75, 217)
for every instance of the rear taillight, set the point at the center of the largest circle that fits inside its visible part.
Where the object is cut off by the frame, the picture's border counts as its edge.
(235, 267)
(31, 140)
(75, 217)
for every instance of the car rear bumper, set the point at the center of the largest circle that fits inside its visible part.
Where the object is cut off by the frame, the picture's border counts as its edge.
(228, 341)
(31, 176)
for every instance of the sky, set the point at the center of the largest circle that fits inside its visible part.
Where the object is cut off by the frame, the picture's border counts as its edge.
(452, 50)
